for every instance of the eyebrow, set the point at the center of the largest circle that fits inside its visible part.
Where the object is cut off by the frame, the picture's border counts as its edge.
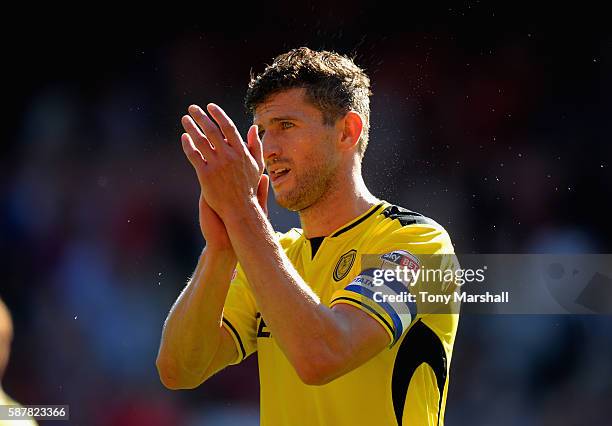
(282, 118)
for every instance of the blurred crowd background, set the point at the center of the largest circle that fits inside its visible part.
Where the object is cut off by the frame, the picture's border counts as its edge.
(495, 122)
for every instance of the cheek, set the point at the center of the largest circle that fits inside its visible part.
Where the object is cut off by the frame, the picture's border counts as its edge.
(309, 147)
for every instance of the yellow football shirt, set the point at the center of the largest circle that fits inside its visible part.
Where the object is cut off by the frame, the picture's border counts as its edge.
(406, 383)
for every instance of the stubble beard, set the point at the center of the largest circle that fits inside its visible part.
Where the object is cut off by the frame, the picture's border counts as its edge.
(311, 186)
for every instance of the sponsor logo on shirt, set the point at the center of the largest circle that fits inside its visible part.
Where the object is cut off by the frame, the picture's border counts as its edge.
(399, 258)
(262, 328)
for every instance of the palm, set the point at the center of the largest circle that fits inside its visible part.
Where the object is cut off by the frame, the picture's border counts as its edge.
(199, 151)
(213, 228)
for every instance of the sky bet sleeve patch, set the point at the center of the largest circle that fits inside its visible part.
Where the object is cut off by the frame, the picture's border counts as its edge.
(382, 290)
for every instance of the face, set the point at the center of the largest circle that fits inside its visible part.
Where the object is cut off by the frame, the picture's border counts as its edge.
(299, 150)
(6, 332)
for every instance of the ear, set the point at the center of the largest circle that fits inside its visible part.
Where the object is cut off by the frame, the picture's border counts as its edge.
(352, 126)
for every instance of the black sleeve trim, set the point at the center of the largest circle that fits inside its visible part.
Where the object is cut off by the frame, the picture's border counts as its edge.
(233, 329)
(379, 316)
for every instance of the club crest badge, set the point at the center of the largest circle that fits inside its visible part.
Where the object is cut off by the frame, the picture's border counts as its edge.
(344, 265)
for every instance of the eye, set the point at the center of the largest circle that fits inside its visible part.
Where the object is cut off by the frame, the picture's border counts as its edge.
(261, 133)
(286, 125)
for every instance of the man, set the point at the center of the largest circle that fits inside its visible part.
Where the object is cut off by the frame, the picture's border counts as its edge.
(6, 337)
(328, 351)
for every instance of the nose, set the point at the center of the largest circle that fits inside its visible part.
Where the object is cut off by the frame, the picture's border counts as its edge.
(271, 147)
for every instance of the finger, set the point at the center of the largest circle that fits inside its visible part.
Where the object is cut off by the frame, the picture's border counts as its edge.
(191, 128)
(198, 115)
(210, 129)
(197, 137)
(255, 146)
(262, 192)
(191, 152)
(226, 124)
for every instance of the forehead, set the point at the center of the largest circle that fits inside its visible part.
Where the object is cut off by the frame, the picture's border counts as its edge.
(288, 103)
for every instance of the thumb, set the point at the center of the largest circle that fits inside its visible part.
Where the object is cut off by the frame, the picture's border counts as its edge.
(262, 192)
(255, 146)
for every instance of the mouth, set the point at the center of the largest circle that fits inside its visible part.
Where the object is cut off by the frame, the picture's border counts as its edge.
(278, 175)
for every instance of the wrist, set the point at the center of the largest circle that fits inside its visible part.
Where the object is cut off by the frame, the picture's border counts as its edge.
(220, 257)
(241, 212)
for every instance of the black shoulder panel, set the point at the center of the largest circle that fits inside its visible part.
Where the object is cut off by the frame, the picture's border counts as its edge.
(406, 217)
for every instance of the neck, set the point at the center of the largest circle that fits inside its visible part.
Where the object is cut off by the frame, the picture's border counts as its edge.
(346, 200)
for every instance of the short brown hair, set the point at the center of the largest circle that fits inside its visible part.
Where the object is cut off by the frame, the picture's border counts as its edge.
(333, 83)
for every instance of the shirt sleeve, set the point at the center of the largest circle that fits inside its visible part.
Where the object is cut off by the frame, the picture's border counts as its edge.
(239, 315)
(391, 280)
